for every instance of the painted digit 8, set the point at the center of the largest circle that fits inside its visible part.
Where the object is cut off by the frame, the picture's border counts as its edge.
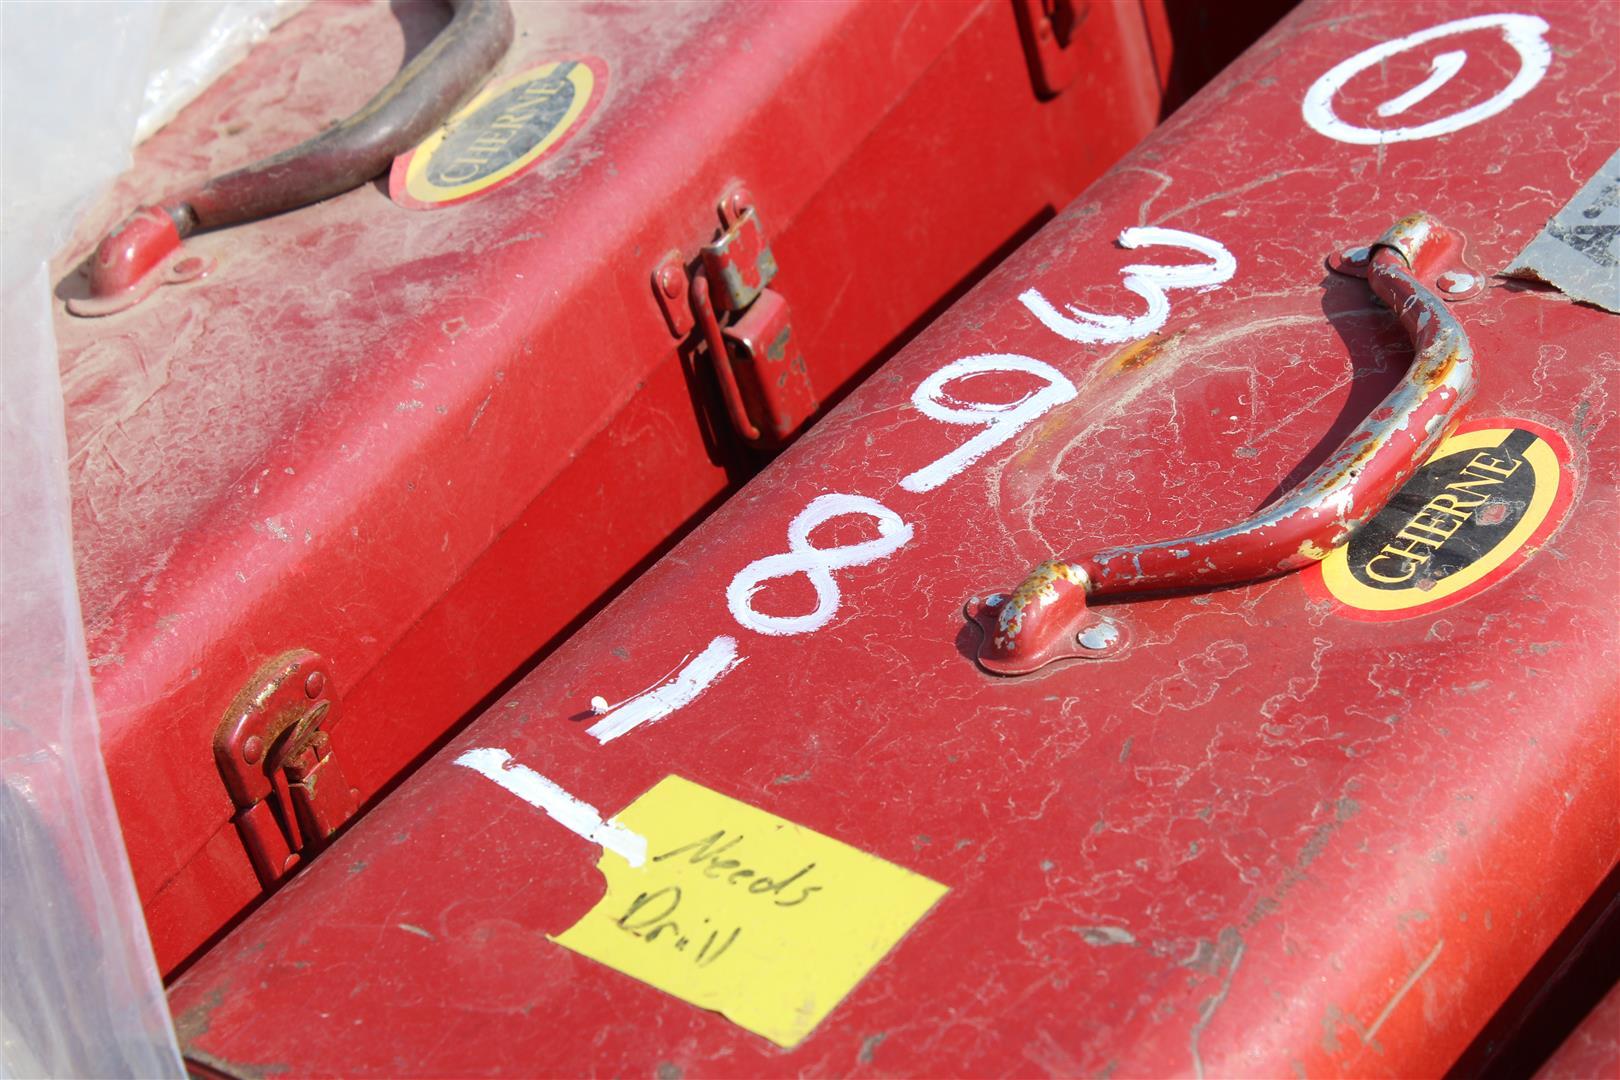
(816, 564)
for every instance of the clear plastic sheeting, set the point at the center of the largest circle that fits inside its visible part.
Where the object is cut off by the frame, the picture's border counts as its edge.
(79, 992)
(195, 42)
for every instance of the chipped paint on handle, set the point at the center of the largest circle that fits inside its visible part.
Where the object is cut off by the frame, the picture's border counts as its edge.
(1319, 514)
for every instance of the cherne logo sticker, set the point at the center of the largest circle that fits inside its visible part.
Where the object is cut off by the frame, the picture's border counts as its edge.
(500, 134)
(1483, 504)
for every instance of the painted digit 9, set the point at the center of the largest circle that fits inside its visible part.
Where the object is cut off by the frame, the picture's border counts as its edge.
(1000, 421)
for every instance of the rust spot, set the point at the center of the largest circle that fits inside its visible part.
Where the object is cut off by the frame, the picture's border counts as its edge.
(1041, 587)
(1351, 466)
(1140, 354)
(1437, 373)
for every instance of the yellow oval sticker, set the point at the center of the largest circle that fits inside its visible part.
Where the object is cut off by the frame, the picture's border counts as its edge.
(1482, 504)
(500, 134)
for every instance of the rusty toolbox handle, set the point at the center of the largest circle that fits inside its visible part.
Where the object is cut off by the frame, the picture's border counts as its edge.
(344, 156)
(1039, 620)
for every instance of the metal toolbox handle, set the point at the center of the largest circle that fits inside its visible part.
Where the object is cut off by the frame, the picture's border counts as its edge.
(138, 253)
(1038, 622)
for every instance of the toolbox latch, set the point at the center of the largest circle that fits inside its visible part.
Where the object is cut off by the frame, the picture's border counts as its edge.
(746, 326)
(274, 752)
(1048, 28)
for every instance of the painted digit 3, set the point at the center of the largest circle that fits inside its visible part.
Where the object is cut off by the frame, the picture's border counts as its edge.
(1526, 33)
(1150, 281)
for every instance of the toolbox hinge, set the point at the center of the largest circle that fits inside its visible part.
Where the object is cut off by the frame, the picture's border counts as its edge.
(746, 326)
(275, 755)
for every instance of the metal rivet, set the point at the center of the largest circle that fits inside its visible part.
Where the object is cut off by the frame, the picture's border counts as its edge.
(1098, 636)
(314, 684)
(1456, 283)
(1357, 255)
(669, 280)
(252, 749)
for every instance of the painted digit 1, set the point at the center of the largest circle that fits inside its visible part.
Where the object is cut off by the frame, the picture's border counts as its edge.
(1527, 34)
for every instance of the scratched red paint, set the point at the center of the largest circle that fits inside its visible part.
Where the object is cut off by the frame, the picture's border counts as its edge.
(358, 435)
(1259, 840)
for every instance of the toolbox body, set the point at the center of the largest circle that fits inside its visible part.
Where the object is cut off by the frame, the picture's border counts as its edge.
(1592, 1050)
(402, 445)
(1320, 822)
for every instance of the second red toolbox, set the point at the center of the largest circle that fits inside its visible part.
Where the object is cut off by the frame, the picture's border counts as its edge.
(371, 454)
(1192, 655)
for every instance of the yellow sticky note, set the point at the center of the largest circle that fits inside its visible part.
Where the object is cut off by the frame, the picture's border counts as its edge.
(745, 913)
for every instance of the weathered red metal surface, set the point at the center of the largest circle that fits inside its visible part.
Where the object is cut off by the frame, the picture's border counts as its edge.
(1046, 617)
(1272, 834)
(1592, 1051)
(343, 156)
(420, 444)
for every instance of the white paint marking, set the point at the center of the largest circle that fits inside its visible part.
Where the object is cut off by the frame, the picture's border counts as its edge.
(1526, 33)
(717, 658)
(1441, 70)
(816, 564)
(1147, 280)
(1000, 422)
(1411, 981)
(577, 817)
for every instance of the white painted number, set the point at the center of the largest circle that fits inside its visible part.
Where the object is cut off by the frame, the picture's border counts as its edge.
(816, 564)
(1000, 422)
(941, 396)
(1441, 70)
(1147, 280)
(680, 689)
(1526, 33)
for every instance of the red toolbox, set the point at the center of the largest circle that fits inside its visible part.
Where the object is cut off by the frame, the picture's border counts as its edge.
(1592, 1051)
(841, 786)
(388, 448)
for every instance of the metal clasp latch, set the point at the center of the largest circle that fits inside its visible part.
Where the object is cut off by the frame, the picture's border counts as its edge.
(746, 326)
(274, 753)
(1048, 28)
